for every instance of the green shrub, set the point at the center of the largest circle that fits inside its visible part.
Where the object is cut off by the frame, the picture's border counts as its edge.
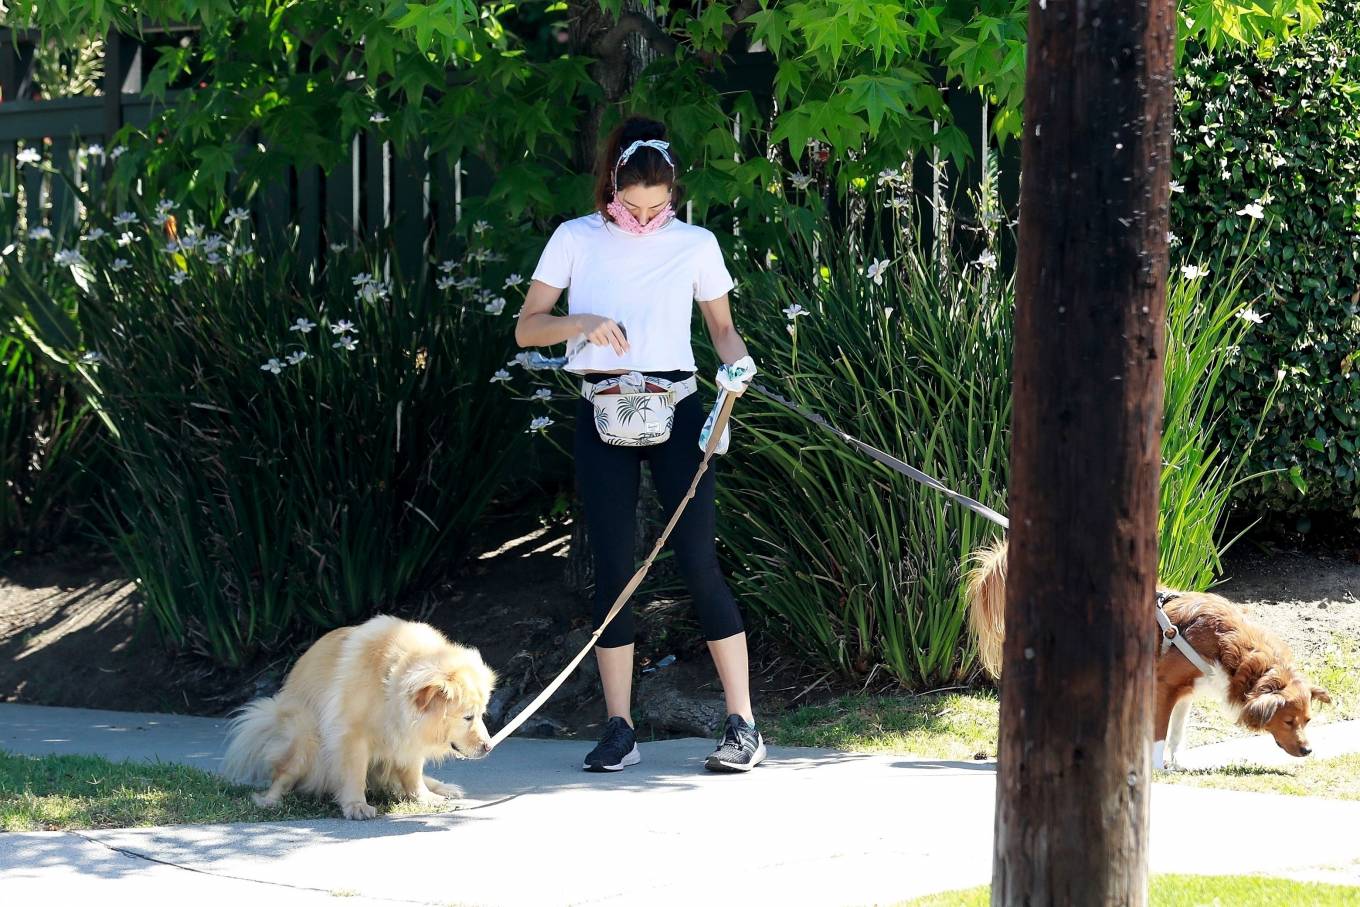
(275, 479)
(1283, 131)
(859, 567)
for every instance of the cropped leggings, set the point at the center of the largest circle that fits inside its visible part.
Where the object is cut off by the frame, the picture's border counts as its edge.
(608, 477)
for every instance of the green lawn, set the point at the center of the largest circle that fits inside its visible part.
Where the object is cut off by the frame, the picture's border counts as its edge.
(1337, 778)
(1194, 891)
(56, 793)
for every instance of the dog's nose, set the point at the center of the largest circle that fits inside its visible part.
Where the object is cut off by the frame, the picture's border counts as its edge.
(485, 748)
(1305, 750)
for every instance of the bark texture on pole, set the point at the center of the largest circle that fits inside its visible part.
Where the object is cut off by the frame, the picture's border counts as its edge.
(1072, 809)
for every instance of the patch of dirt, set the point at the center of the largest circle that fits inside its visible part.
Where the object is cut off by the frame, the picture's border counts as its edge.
(1307, 597)
(70, 635)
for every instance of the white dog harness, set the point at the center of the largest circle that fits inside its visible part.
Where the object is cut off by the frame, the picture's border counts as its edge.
(1171, 635)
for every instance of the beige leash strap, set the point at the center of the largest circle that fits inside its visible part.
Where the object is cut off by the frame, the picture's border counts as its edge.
(714, 437)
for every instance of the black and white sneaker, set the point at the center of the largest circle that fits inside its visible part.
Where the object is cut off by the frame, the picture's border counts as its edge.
(617, 748)
(741, 749)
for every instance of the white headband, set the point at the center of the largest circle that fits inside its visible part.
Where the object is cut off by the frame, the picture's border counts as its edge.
(658, 144)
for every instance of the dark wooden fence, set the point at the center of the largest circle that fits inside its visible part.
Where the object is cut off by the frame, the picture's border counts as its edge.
(417, 195)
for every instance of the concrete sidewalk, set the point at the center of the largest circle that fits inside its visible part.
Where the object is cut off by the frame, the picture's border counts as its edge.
(808, 828)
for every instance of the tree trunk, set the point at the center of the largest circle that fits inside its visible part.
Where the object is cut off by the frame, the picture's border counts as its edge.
(1072, 786)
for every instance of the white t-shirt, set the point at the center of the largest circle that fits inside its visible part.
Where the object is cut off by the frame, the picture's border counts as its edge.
(646, 283)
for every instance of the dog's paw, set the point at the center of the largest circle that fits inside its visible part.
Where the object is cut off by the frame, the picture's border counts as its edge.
(358, 810)
(263, 799)
(448, 791)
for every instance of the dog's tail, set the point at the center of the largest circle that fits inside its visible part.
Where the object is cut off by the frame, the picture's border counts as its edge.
(986, 591)
(258, 737)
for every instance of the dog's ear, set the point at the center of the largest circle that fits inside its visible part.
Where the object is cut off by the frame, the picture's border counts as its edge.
(1321, 695)
(428, 696)
(1260, 708)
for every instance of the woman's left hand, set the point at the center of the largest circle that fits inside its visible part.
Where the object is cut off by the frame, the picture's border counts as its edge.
(735, 377)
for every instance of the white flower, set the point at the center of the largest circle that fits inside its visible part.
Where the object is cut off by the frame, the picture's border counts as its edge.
(448, 265)
(800, 181)
(379, 117)
(986, 260)
(40, 233)
(123, 218)
(496, 306)
(213, 258)
(189, 242)
(481, 226)
(302, 325)
(165, 204)
(67, 258)
(120, 264)
(467, 283)
(178, 276)
(273, 365)
(521, 359)
(543, 394)
(127, 239)
(500, 377)
(92, 357)
(1194, 272)
(1253, 211)
(338, 247)
(445, 283)
(898, 203)
(1251, 315)
(886, 177)
(239, 251)
(347, 341)
(875, 270)
(160, 218)
(360, 279)
(794, 311)
(540, 424)
(117, 151)
(1172, 239)
(296, 356)
(29, 156)
(213, 242)
(790, 327)
(172, 246)
(237, 215)
(513, 280)
(1176, 187)
(94, 151)
(372, 292)
(344, 327)
(95, 234)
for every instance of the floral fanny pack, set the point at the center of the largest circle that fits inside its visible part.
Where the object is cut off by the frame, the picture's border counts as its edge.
(636, 410)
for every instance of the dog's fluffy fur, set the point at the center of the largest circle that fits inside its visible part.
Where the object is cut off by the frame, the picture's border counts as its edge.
(1255, 678)
(365, 708)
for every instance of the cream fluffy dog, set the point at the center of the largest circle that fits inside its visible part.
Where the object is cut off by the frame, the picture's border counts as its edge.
(364, 708)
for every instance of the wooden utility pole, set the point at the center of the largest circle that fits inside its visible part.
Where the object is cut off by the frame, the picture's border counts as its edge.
(1072, 787)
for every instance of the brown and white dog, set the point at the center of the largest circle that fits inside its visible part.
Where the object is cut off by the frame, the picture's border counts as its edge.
(1253, 672)
(365, 707)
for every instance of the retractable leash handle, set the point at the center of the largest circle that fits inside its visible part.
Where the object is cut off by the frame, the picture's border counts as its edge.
(724, 409)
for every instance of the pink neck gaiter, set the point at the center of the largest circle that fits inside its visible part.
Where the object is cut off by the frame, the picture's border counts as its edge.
(624, 219)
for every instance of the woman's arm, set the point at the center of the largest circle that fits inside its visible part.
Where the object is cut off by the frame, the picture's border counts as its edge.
(726, 340)
(538, 326)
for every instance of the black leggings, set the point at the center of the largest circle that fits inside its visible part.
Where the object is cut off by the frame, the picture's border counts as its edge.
(608, 477)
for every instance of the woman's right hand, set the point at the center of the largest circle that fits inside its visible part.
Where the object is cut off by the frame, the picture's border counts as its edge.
(603, 331)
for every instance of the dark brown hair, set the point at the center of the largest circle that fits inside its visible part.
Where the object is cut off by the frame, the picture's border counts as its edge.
(647, 166)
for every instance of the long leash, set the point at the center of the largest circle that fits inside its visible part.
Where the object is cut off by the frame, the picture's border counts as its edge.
(724, 411)
(887, 459)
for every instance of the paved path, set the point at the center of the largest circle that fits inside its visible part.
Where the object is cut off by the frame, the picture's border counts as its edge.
(811, 827)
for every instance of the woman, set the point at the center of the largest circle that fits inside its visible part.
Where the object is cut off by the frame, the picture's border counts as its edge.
(635, 273)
